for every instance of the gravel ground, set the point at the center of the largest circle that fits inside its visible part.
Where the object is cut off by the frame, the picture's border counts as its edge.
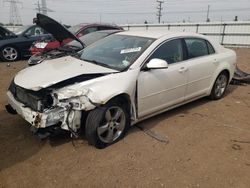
(209, 146)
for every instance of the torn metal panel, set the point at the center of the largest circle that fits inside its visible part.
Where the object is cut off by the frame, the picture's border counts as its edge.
(240, 77)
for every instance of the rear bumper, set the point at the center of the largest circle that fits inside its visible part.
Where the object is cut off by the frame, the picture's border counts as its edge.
(37, 119)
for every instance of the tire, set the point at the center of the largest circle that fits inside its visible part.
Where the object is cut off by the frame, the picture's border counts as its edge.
(9, 53)
(107, 124)
(220, 86)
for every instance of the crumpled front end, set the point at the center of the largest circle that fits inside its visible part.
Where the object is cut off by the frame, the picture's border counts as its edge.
(42, 111)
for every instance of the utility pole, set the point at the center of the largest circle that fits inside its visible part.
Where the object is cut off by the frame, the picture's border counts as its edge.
(38, 7)
(15, 18)
(208, 9)
(159, 10)
(42, 7)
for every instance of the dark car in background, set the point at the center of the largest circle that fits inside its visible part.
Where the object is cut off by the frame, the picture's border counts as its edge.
(18, 43)
(78, 30)
(71, 48)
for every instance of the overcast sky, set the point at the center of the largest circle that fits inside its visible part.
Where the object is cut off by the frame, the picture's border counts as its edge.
(131, 11)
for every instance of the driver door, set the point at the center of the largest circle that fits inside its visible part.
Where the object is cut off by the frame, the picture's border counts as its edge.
(162, 88)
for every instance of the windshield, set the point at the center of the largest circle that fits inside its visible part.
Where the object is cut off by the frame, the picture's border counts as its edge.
(5, 32)
(88, 39)
(75, 29)
(116, 51)
(20, 30)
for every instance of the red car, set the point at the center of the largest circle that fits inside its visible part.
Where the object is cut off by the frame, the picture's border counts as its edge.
(78, 30)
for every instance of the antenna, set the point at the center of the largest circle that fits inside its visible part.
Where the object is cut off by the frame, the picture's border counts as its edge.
(15, 18)
(159, 8)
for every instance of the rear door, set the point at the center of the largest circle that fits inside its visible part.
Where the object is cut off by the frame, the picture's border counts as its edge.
(202, 63)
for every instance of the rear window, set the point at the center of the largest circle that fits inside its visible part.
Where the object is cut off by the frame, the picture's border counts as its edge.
(196, 47)
(106, 28)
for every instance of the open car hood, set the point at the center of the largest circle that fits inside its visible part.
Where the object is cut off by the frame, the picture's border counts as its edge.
(58, 31)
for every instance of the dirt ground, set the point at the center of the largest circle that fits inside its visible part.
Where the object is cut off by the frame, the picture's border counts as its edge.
(209, 146)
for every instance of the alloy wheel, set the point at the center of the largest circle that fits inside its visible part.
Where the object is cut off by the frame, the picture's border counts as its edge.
(10, 53)
(113, 125)
(220, 85)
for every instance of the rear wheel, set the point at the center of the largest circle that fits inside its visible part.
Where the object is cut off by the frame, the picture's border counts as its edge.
(9, 53)
(220, 86)
(107, 125)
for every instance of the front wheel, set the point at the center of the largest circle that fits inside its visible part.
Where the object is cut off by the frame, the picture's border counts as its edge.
(9, 53)
(107, 125)
(220, 86)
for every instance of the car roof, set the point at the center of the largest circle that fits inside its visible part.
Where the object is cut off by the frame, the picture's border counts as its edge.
(95, 24)
(109, 31)
(158, 34)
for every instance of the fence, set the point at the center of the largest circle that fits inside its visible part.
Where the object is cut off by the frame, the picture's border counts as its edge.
(226, 33)
(12, 28)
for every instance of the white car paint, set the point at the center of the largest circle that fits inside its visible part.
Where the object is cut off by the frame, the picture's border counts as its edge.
(56, 70)
(150, 92)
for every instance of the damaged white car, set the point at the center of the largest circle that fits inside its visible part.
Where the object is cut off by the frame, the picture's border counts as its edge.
(119, 81)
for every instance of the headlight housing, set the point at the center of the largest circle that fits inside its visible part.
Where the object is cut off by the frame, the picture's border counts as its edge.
(41, 45)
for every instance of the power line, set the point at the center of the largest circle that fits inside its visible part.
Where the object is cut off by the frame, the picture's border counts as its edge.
(15, 18)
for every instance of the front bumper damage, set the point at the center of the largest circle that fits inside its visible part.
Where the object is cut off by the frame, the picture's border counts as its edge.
(36, 119)
(66, 115)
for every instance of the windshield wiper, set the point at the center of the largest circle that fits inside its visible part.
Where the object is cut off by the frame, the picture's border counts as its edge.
(76, 55)
(98, 63)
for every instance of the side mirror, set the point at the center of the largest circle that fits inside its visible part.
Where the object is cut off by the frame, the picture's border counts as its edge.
(156, 64)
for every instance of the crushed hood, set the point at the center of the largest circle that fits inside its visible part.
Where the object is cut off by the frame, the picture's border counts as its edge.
(54, 71)
(58, 31)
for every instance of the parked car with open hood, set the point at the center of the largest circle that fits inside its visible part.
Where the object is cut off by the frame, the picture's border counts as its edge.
(77, 30)
(18, 44)
(119, 81)
(72, 47)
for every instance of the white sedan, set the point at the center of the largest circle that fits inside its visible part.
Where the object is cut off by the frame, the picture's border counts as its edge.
(119, 81)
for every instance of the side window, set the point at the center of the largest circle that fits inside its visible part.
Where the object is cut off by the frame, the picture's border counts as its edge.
(210, 48)
(34, 31)
(170, 51)
(196, 47)
(88, 30)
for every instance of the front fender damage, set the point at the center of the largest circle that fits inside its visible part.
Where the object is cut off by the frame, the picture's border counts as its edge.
(73, 102)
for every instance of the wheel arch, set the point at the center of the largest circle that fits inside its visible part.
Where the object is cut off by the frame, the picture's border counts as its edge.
(124, 98)
(226, 70)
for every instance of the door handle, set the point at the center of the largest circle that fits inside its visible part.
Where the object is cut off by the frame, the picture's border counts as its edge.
(183, 69)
